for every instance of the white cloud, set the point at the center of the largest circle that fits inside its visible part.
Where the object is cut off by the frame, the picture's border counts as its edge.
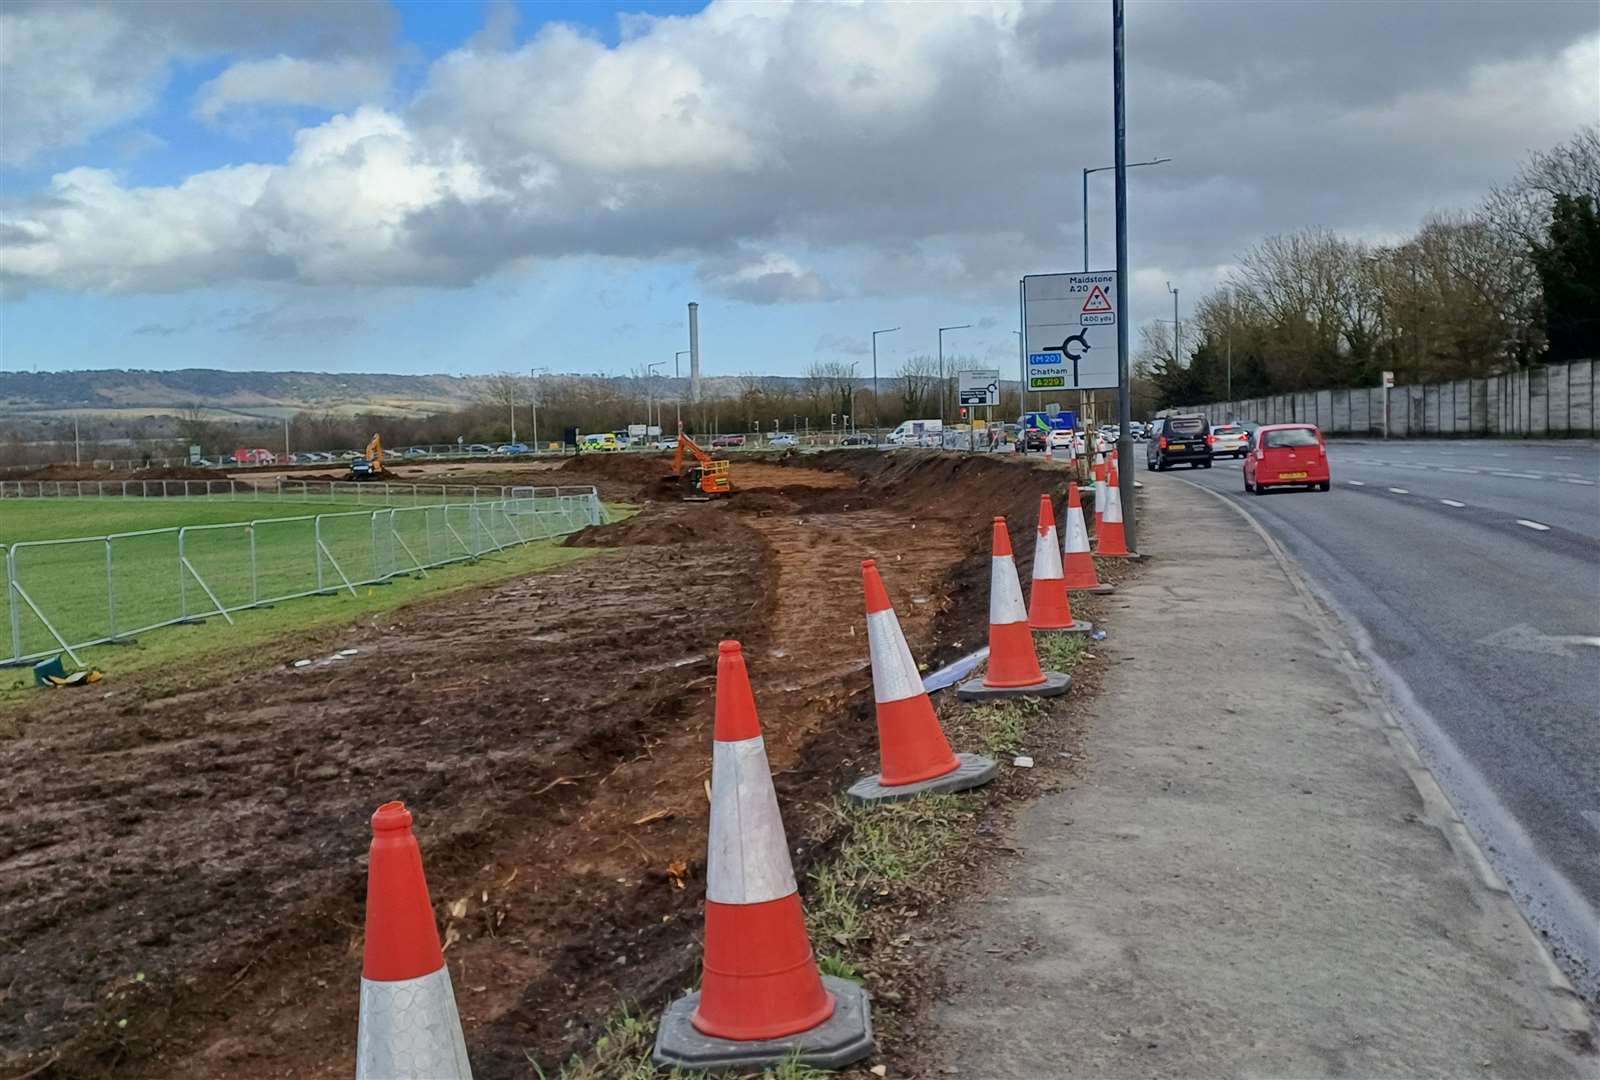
(936, 147)
(76, 68)
(340, 83)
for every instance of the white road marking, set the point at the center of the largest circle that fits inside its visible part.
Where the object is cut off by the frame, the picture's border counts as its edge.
(1399, 491)
(1468, 472)
(1585, 483)
(1563, 457)
(1519, 475)
(1355, 483)
(1499, 455)
(1532, 525)
(1452, 502)
(1525, 638)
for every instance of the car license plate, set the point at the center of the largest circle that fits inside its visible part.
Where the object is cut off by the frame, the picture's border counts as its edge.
(1176, 446)
(1291, 476)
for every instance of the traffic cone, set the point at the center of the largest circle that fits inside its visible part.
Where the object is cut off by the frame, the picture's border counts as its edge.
(1048, 456)
(1013, 669)
(914, 754)
(761, 999)
(1048, 606)
(1077, 564)
(1110, 540)
(409, 1028)
(1100, 469)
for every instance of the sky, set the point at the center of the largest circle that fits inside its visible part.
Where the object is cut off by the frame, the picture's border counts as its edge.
(459, 187)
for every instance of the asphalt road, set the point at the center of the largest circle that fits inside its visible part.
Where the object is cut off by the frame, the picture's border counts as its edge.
(1469, 576)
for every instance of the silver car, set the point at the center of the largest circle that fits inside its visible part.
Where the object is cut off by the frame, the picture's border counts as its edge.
(1229, 440)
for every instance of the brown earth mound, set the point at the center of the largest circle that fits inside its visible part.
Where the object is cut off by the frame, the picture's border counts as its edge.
(181, 875)
(64, 473)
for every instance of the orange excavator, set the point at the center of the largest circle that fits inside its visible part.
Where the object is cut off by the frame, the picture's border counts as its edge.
(706, 478)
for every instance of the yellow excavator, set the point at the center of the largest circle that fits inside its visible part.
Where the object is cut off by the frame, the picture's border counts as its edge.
(707, 478)
(370, 466)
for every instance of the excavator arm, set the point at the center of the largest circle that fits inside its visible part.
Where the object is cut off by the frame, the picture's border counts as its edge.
(706, 477)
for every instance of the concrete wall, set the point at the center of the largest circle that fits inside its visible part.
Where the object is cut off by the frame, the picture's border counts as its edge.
(1557, 399)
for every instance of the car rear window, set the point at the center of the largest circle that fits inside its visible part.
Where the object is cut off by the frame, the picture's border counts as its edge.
(1187, 425)
(1291, 437)
(1227, 429)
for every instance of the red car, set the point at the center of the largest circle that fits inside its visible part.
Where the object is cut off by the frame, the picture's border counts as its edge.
(1286, 455)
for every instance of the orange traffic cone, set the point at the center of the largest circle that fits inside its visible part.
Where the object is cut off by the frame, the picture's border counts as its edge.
(409, 1028)
(1048, 606)
(1013, 669)
(1077, 563)
(914, 753)
(761, 999)
(1111, 541)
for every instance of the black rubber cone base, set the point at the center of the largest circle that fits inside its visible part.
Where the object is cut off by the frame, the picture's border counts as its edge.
(1055, 684)
(842, 1039)
(1079, 626)
(1099, 590)
(974, 771)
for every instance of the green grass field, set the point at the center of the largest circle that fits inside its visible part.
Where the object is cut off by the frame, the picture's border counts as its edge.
(84, 596)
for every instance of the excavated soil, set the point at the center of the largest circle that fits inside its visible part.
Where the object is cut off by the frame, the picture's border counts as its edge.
(182, 878)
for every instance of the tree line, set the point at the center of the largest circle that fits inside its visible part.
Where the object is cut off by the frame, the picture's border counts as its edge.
(1510, 283)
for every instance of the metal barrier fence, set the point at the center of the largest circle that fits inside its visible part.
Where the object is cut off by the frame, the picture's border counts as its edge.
(282, 490)
(63, 595)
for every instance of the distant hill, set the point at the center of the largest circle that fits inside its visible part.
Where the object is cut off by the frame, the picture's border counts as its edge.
(245, 393)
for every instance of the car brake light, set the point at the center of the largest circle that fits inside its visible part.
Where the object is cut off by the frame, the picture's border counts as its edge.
(1162, 442)
(1211, 440)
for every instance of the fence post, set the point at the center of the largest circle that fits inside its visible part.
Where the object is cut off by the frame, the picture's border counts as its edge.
(255, 591)
(11, 603)
(111, 594)
(316, 547)
(183, 594)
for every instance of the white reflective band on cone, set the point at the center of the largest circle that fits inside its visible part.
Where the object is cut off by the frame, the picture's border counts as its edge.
(1005, 592)
(1113, 504)
(1077, 532)
(409, 1030)
(1046, 556)
(894, 671)
(747, 860)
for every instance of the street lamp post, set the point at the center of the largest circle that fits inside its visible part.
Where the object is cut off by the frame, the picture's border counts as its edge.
(677, 397)
(1177, 328)
(534, 392)
(1104, 168)
(875, 406)
(942, 329)
(649, 387)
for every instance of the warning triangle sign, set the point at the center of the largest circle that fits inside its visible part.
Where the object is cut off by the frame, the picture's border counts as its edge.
(1097, 304)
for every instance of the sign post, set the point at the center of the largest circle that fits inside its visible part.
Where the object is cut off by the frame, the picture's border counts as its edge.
(1388, 384)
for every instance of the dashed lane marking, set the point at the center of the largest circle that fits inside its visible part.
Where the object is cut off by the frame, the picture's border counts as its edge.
(1585, 483)
(1466, 472)
(1399, 491)
(1532, 525)
(1519, 475)
(1355, 483)
(1452, 502)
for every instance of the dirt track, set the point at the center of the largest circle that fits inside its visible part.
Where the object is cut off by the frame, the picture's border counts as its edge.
(194, 865)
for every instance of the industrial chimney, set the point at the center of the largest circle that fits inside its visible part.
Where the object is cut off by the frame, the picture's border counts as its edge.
(694, 353)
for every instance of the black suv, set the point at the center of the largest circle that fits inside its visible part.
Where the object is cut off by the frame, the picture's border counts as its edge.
(1178, 440)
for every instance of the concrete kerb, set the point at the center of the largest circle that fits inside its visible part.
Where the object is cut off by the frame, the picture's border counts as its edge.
(1055, 684)
(1102, 589)
(973, 770)
(843, 1039)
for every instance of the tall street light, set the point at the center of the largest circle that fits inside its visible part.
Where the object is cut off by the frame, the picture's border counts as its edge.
(1105, 168)
(677, 394)
(942, 329)
(875, 406)
(649, 387)
(1177, 327)
(535, 373)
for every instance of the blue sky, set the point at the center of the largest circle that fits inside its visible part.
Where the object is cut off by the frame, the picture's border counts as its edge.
(465, 187)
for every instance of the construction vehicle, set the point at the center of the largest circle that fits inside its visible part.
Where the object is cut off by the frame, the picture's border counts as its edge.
(706, 478)
(370, 465)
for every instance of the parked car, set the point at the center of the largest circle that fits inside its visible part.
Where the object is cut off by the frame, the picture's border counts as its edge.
(858, 438)
(601, 442)
(1228, 440)
(669, 443)
(727, 440)
(507, 449)
(1179, 440)
(1286, 455)
(782, 440)
(414, 451)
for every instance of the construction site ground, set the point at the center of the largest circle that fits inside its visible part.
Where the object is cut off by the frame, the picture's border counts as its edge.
(182, 876)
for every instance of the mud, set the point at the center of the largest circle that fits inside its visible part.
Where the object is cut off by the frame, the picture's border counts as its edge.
(65, 473)
(182, 880)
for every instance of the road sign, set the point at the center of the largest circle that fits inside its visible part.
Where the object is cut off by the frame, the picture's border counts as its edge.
(1071, 322)
(978, 387)
(1388, 380)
